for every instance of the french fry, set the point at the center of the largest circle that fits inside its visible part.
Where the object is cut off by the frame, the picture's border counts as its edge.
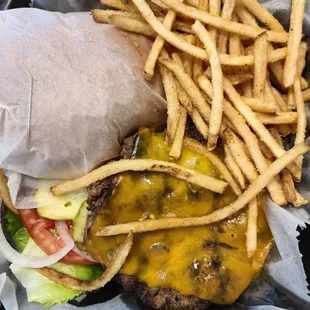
(260, 65)
(217, 82)
(303, 83)
(290, 66)
(112, 269)
(117, 4)
(265, 150)
(197, 119)
(291, 103)
(176, 148)
(280, 118)
(301, 121)
(257, 106)
(233, 167)
(102, 16)
(190, 87)
(256, 124)
(158, 44)
(237, 149)
(187, 58)
(214, 10)
(120, 166)
(227, 13)
(172, 102)
(132, 25)
(279, 100)
(199, 148)
(263, 15)
(306, 94)
(222, 24)
(5, 193)
(249, 138)
(253, 190)
(251, 233)
(245, 16)
(276, 68)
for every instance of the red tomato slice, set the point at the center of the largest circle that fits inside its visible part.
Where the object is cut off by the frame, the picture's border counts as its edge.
(38, 228)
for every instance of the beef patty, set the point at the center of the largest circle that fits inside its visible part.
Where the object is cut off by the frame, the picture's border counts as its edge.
(215, 276)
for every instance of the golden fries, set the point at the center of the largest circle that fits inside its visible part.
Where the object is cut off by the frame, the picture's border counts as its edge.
(263, 15)
(260, 65)
(251, 233)
(253, 190)
(176, 148)
(233, 167)
(257, 106)
(306, 94)
(290, 66)
(223, 24)
(199, 148)
(214, 10)
(172, 102)
(116, 167)
(5, 193)
(237, 149)
(227, 13)
(131, 25)
(280, 118)
(217, 79)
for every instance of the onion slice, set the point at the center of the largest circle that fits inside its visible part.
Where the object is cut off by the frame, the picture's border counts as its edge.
(29, 261)
(66, 237)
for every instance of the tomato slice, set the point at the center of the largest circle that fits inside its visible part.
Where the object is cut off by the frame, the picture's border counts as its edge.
(38, 228)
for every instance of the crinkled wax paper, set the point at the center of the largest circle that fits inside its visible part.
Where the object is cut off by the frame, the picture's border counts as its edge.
(283, 282)
(70, 91)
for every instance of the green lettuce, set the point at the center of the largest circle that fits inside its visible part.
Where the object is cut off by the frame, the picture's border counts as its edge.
(39, 288)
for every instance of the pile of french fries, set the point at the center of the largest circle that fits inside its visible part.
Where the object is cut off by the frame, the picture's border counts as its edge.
(238, 81)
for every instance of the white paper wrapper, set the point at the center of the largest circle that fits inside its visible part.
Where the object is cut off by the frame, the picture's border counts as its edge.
(284, 268)
(70, 91)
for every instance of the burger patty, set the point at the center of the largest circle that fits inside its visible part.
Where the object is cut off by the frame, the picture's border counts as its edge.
(158, 298)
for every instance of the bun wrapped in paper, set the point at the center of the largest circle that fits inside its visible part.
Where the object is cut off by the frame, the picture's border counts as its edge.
(70, 91)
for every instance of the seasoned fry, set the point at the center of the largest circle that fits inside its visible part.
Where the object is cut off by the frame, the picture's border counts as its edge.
(217, 82)
(257, 106)
(288, 186)
(116, 4)
(112, 269)
(199, 148)
(245, 16)
(306, 94)
(157, 46)
(101, 16)
(290, 66)
(187, 58)
(265, 150)
(227, 13)
(113, 168)
(260, 65)
(253, 190)
(237, 148)
(251, 233)
(176, 148)
(233, 167)
(223, 24)
(131, 25)
(190, 87)
(276, 68)
(172, 102)
(303, 83)
(263, 15)
(291, 103)
(280, 118)
(256, 124)
(249, 138)
(279, 100)
(5, 193)
(301, 122)
(214, 10)
(197, 119)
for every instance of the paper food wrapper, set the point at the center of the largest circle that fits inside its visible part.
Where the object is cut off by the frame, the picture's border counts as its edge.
(88, 126)
(70, 91)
